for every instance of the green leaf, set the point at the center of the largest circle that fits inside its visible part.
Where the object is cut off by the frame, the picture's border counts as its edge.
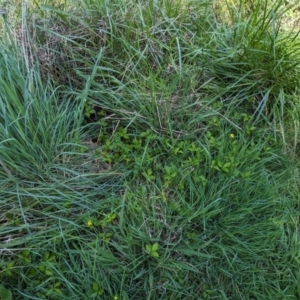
(154, 254)
(168, 170)
(42, 268)
(109, 218)
(95, 287)
(10, 264)
(48, 272)
(58, 291)
(100, 292)
(9, 216)
(149, 174)
(155, 247)
(57, 284)
(25, 253)
(149, 248)
(152, 249)
(227, 165)
(5, 294)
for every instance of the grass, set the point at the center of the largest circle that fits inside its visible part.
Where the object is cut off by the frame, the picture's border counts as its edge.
(149, 150)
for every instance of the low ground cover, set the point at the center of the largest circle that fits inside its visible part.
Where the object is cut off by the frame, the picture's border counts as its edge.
(149, 150)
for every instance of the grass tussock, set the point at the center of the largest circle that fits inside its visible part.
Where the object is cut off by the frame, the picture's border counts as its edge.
(149, 150)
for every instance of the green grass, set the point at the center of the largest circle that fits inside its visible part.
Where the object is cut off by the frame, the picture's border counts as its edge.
(149, 150)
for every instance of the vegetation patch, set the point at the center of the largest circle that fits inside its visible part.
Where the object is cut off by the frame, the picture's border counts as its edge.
(149, 150)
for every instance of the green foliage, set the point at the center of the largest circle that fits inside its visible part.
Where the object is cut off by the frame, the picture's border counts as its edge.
(152, 250)
(5, 294)
(153, 154)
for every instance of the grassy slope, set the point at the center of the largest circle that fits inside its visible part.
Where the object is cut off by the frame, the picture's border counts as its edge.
(149, 151)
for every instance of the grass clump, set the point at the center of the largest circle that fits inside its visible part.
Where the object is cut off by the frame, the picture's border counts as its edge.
(152, 153)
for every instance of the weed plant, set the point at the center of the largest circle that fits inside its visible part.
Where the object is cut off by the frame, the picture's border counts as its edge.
(149, 150)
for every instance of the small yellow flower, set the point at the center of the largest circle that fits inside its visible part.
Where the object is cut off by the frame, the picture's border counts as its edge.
(231, 135)
(116, 298)
(89, 223)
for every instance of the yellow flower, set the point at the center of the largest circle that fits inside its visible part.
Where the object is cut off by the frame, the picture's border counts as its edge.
(89, 223)
(231, 135)
(116, 298)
